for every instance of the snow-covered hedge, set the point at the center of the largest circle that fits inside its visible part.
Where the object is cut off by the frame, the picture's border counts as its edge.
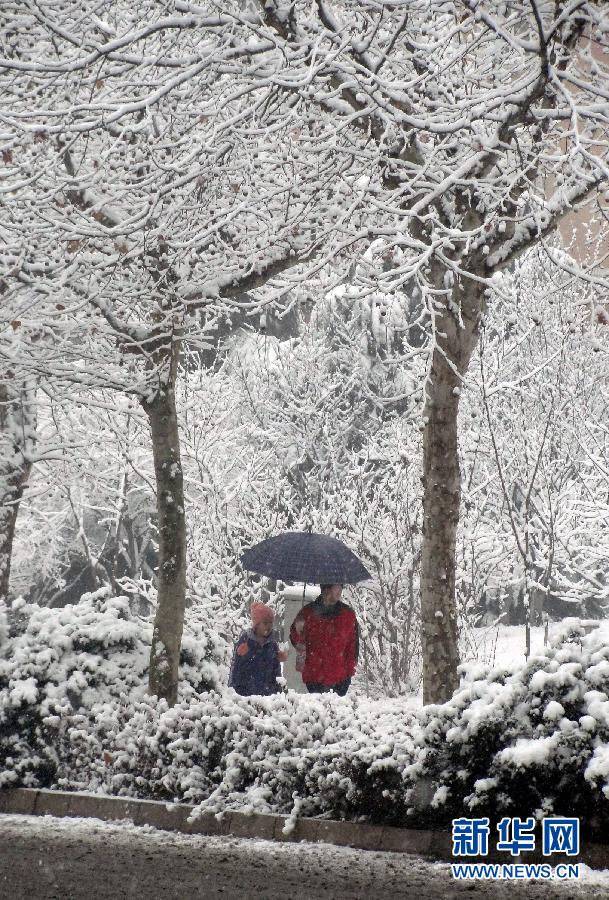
(57, 662)
(531, 740)
(286, 752)
(74, 714)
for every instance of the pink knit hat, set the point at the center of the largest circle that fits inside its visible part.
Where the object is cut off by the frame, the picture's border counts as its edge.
(260, 611)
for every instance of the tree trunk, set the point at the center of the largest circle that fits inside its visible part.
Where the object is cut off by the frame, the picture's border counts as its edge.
(442, 492)
(171, 578)
(17, 440)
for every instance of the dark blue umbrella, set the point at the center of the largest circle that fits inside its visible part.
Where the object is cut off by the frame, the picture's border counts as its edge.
(302, 556)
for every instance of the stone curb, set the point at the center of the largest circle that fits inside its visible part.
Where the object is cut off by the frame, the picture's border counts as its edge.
(174, 817)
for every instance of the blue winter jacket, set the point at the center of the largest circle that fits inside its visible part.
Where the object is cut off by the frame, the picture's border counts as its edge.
(257, 671)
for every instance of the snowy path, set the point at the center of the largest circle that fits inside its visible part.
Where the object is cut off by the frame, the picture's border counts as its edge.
(85, 859)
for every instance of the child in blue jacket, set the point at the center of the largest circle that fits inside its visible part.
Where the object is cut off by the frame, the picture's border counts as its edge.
(257, 657)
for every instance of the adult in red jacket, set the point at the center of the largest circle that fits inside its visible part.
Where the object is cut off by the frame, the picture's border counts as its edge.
(326, 631)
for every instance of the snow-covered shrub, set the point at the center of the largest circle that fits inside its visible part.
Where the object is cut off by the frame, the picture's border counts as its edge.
(322, 754)
(532, 741)
(57, 662)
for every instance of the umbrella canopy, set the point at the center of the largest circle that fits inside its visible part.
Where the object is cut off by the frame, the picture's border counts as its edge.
(302, 556)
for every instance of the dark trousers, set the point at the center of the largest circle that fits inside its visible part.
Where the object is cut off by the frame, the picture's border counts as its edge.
(340, 688)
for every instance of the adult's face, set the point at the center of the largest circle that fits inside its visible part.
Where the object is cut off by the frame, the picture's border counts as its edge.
(331, 595)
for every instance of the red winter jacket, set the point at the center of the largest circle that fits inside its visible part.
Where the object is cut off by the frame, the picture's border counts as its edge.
(331, 638)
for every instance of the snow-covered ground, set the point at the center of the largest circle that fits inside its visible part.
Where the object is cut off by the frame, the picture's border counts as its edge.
(46, 857)
(505, 645)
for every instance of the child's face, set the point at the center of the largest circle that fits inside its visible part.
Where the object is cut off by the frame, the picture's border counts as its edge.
(264, 627)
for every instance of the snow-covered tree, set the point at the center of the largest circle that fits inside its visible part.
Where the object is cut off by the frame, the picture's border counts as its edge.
(533, 432)
(87, 519)
(17, 442)
(188, 157)
(484, 127)
(140, 227)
